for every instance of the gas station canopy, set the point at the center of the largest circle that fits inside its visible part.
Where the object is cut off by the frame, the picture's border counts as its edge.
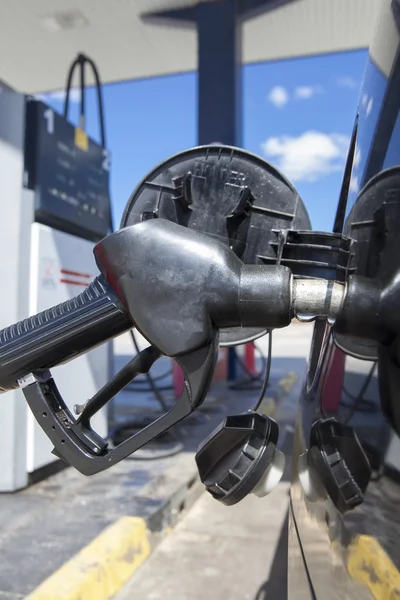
(132, 39)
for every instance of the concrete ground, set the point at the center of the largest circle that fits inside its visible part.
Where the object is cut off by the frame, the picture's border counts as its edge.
(235, 551)
(238, 552)
(62, 514)
(220, 552)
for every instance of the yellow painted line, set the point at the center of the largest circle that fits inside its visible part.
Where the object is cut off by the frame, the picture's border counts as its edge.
(287, 382)
(368, 563)
(100, 570)
(267, 407)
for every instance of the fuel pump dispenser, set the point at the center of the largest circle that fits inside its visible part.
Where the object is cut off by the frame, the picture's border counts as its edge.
(54, 205)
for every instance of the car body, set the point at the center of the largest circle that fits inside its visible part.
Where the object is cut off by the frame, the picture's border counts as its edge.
(355, 553)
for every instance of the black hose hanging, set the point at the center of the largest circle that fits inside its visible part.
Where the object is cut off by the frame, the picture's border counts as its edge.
(80, 62)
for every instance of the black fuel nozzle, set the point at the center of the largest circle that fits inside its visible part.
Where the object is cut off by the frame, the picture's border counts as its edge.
(176, 285)
(179, 285)
(179, 288)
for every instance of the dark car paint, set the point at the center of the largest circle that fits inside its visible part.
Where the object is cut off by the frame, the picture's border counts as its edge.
(354, 555)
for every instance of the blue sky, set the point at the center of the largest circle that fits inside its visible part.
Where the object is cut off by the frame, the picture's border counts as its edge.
(298, 114)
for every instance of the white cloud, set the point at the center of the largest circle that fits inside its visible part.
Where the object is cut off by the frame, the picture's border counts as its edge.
(347, 82)
(366, 103)
(354, 179)
(278, 96)
(304, 92)
(357, 157)
(354, 184)
(308, 157)
(74, 96)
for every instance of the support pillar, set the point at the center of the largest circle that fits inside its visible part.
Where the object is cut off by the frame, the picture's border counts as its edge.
(219, 67)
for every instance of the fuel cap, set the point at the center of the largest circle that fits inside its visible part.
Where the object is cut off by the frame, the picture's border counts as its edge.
(240, 457)
(229, 194)
(340, 461)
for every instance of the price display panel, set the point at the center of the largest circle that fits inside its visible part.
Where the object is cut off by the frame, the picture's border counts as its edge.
(68, 172)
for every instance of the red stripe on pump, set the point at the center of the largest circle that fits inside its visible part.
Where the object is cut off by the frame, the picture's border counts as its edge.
(75, 273)
(72, 282)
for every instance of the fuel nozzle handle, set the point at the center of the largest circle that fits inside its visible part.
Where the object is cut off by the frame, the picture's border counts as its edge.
(60, 333)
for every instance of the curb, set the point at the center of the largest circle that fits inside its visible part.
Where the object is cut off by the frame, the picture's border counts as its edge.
(101, 569)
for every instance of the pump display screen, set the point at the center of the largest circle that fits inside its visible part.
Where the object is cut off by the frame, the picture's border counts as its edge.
(68, 172)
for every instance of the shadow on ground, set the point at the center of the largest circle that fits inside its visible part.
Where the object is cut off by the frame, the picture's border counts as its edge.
(224, 398)
(276, 584)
